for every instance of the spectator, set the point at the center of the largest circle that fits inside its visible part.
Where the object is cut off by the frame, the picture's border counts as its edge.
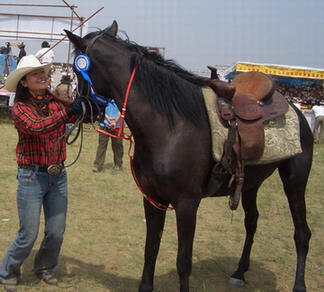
(111, 120)
(318, 111)
(45, 54)
(296, 103)
(22, 52)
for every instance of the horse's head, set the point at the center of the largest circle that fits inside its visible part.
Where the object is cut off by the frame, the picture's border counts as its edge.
(88, 63)
(86, 69)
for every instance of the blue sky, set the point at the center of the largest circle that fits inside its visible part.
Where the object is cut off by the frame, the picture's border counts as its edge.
(211, 32)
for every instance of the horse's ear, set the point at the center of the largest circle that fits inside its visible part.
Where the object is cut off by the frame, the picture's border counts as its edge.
(76, 40)
(113, 29)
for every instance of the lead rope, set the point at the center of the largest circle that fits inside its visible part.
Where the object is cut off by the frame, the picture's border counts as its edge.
(121, 135)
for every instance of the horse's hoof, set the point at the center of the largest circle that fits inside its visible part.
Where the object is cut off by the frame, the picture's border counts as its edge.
(235, 283)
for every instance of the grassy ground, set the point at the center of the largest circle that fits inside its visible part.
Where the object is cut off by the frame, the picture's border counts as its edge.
(104, 241)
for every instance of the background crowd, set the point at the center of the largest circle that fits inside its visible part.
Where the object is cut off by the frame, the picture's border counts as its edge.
(306, 95)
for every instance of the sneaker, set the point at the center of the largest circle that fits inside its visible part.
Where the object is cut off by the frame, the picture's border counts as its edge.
(116, 167)
(95, 169)
(9, 285)
(50, 280)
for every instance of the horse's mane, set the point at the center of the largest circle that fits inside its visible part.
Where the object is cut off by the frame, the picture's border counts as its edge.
(164, 83)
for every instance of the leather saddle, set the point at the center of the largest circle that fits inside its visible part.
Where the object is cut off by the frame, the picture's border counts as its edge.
(243, 106)
(250, 99)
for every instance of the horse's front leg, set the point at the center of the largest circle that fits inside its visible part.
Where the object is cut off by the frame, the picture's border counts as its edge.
(295, 180)
(237, 280)
(186, 224)
(155, 219)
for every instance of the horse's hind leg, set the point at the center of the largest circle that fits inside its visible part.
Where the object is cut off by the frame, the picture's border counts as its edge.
(237, 280)
(155, 219)
(294, 175)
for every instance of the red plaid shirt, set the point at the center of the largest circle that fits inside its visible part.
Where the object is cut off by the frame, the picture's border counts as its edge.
(38, 136)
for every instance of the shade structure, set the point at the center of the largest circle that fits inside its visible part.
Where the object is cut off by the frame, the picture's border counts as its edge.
(280, 73)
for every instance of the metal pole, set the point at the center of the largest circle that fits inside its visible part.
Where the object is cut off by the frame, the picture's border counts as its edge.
(72, 8)
(69, 47)
(82, 23)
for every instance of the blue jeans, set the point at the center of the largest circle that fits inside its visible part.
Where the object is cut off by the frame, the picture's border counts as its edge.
(37, 190)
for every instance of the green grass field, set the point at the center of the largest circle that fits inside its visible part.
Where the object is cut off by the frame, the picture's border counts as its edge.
(104, 241)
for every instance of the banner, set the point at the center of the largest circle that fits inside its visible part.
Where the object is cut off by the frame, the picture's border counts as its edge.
(281, 71)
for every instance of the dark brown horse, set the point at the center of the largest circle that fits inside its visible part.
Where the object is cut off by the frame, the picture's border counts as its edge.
(173, 157)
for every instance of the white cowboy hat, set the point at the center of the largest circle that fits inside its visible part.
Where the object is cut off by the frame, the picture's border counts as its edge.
(25, 65)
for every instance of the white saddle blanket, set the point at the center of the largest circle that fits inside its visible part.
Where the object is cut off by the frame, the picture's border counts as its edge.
(282, 139)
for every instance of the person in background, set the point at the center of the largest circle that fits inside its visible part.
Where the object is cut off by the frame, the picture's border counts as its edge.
(296, 103)
(39, 118)
(22, 52)
(64, 88)
(45, 58)
(111, 120)
(318, 111)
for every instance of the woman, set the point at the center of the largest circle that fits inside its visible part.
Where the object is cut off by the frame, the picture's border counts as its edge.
(42, 183)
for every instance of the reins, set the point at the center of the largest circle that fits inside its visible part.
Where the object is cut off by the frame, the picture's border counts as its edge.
(77, 124)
